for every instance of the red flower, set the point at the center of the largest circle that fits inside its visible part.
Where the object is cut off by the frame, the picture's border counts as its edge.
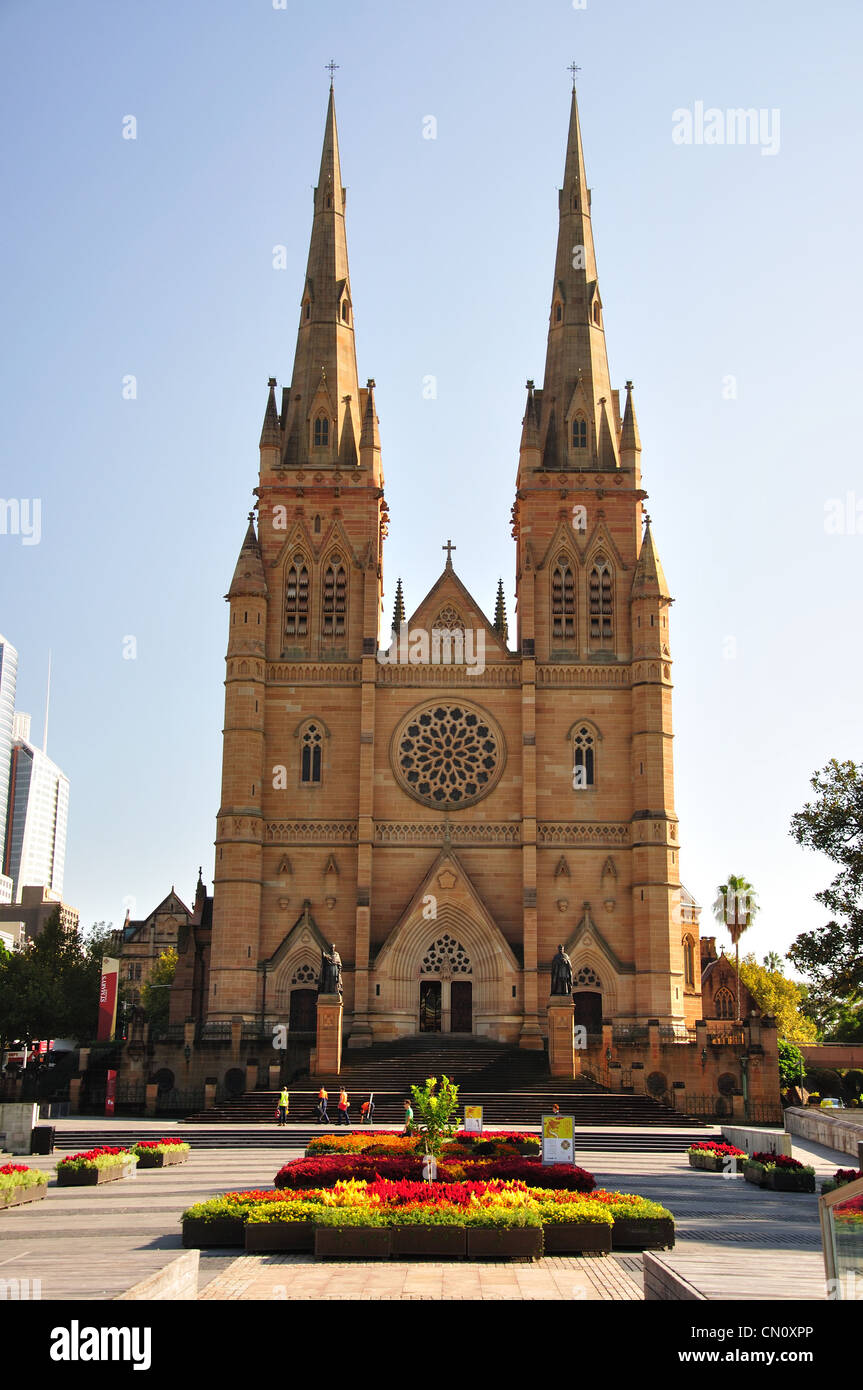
(778, 1160)
(14, 1168)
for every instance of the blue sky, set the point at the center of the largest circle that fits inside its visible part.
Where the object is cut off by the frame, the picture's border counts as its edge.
(153, 257)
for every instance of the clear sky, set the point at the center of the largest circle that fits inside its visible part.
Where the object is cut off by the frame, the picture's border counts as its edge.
(731, 296)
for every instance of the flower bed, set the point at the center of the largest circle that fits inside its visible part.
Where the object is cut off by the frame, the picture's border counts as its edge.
(160, 1153)
(840, 1178)
(328, 1169)
(422, 1220)
(18, 1184)
(779, 1173)
(394, 1144)
(712, 1157)
(94, 1166)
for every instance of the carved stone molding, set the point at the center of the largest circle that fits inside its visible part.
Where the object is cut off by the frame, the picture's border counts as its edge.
(581, 833)
(440, 674)
(286, 832)
(435, 832)
(308, 673)
(583, 675)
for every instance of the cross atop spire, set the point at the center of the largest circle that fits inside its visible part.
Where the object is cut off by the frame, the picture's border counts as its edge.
(449, 548)
(331, 66)
(573, 68)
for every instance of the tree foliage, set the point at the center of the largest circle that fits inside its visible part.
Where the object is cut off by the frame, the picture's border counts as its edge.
(792, 1064)
(50, 988)
(155, 992)
(437, 1111)
(832, 823)
(775, 994)
(736, 905)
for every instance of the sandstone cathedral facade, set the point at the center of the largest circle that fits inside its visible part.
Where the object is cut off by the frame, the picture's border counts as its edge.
(446, 820)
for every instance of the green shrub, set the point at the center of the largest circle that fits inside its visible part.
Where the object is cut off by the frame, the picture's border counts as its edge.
(574, 1214)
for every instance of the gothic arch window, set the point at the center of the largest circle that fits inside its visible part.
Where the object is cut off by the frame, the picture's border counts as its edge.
(688, 962)
(601, 602)
(317, 525)
(322, 432)
(563, 600)
(335, 601)
(446, 957)
(308, 311)
(596, 311)
(558, 313)
(304, 975)
(345, 311)
(579, 432)
(583, 756)
(311, 754)
(724, 1003)
(297, 598)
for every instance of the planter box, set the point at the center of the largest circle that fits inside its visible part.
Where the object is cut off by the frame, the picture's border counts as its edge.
(754, 1173)
(790, 1182)
(572, 1238)
(708, 1163)
(18, 1195)
(280, 1235)
(92, 1177)
(431, 1242)
(353, 1242)
(504, 1243)
(161, 1160)
(202, 1235)
(652, 1233)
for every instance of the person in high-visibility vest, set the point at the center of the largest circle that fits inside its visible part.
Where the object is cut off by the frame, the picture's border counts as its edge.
(323, 1097)
(284, 1102)
(344, 1105)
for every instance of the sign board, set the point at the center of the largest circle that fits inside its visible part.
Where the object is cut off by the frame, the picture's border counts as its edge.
(110, 1092)
(473, 1119)
(558, 1139)
(108, 998)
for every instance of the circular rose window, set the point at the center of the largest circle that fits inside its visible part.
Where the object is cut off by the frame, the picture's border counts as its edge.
(448, 754)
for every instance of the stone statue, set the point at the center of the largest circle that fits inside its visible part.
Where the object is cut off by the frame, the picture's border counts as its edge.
(331, 972)
(561, 973)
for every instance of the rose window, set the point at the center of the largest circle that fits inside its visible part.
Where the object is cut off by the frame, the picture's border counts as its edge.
(448, 755)
(305, 975)
(446, 957)
(450, 619)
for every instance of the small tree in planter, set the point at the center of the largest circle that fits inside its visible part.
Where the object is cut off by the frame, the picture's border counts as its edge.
(436, 1108)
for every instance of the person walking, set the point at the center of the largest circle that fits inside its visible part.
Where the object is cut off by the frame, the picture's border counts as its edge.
(323, 1097)
(409, 1118)
(344, 1106)
(284, 1103)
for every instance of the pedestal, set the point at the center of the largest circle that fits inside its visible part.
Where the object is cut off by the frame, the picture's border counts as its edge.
(328, 1053)
(561, 1036)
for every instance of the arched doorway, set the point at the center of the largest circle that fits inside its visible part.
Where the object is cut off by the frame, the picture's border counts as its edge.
(446, 988)
(303, 1016)
(588, 1009)
(430, 1006)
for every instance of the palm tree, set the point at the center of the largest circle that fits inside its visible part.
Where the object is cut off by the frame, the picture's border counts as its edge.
(735, 908)
(773, 961)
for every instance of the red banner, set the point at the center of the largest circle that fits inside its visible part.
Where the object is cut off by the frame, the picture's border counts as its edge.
(110, 1092)
(108, 999)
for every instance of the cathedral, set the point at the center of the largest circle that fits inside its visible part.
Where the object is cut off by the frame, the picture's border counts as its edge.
(448, 803)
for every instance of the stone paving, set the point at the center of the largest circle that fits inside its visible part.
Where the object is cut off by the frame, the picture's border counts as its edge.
(95, 1242)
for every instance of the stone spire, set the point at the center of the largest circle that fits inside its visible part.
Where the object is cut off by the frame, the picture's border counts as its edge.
(270, 430)
(249, 580)
(649, 579)
(500, 623)
(322, 418)
(630, 439)
(399, 608)
(576, 366)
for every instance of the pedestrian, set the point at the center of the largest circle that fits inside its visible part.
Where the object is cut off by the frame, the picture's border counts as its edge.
(344, 1106)
(367, 1110)
(409, 1118)
(323, 1097)
(284, 1103)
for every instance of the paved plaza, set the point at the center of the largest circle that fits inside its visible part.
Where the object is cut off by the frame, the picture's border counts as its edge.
(733, 1240)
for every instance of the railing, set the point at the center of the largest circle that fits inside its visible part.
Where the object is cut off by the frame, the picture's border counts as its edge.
(726, 1035)
(174, 1101)
(675, 1032)
(623, 1033)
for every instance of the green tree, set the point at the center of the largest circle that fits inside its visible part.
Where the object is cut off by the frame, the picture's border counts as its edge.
(736, 908)
(156, 992)
(773, 961)
(436, 1110)
(792, 1064)
(775, 994)
(832, 955)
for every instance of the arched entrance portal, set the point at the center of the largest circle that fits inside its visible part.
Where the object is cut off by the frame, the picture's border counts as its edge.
(446, 989)
(588, 1009)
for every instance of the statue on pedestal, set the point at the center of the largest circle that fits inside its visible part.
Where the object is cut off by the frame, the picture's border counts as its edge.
(330, 981)
(561, 973)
